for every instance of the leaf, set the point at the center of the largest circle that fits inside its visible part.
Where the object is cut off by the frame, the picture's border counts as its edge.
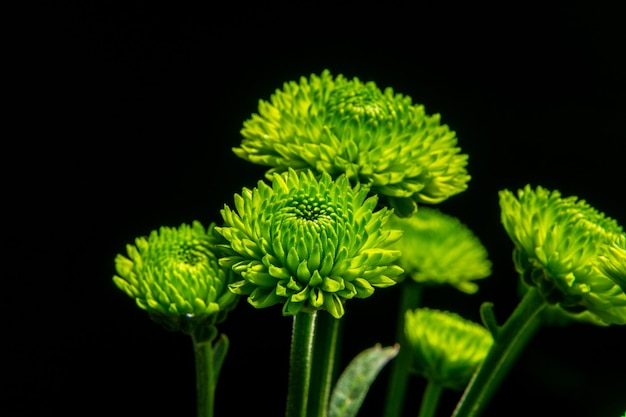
(220, 348)
(356, 379)
(489, 318)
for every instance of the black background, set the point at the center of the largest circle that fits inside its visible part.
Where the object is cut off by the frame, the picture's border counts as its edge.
(131, 112)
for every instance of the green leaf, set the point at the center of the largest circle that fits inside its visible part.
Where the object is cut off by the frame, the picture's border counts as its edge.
(489, 318)
(356, 379)
(220, 349)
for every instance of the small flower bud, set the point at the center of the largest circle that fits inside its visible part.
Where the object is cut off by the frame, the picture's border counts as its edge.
(445, 347)
(562, 247)
(174, 275)
(438, 249)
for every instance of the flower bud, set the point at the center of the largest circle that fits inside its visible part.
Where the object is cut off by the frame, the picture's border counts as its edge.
(559, 245)
(175, 276)
(438, 249)
(445, 347)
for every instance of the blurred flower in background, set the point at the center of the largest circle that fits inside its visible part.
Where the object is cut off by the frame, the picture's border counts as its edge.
(438, 249)
(445, 347)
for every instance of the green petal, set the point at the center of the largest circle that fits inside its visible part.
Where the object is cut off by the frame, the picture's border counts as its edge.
(327, 264)
(291, 308)
(123, 265)
(332, 285)
(241, 287)
(282, 290)
(259, 278)
(315, 257)
(316, 297)
(300, 296)
(294, 285)
(293, 260)
(363, 288)
(334, 306)
(212, 308)
(316, 279)
(264, 297)
(279, 272)
(303, 272)
(124, 286)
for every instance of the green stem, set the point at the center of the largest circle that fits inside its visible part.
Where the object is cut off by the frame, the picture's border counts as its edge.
(205, 381)
(396, 389)
(300, 360)
(325, 353)
(509, 341)
(430, 400)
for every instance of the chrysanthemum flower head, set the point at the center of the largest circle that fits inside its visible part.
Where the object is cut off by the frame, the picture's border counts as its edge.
(558, 244)
(445, 347)
(308, 243)
(175, 276)
(345, 126)
(439, 249)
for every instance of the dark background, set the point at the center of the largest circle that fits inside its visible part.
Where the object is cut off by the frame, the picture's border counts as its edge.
(130, 116)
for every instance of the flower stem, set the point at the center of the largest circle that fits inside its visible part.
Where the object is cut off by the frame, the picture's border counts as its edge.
(300, 360)
(205, 381)
(508, 343)
(325, 352)
(430, 400)
(396, 389)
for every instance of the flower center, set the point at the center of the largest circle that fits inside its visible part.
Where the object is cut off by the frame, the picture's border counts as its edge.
(191, 254)
(311, 209)
(361, 103)
(307, 225)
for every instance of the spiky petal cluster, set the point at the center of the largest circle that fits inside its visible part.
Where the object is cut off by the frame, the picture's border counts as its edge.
(558, 244)
(438, 249)
(175, 276)
(445, 347)
(309, 244)
(613, 262)
(344, 126)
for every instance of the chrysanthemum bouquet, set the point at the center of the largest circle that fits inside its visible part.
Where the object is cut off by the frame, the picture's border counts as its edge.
(347, 208)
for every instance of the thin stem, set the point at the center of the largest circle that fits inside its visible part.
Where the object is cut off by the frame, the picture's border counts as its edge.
(300, 360)
(205, 381)
(396, 389)
(325, 352)
(430, 400)
(510, 340)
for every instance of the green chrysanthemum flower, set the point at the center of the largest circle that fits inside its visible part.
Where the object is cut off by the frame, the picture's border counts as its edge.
(445, 347)
(308, 243)
(375, 137)
(558, 245)
(175, 276)
(613, 262)
(438, 249)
